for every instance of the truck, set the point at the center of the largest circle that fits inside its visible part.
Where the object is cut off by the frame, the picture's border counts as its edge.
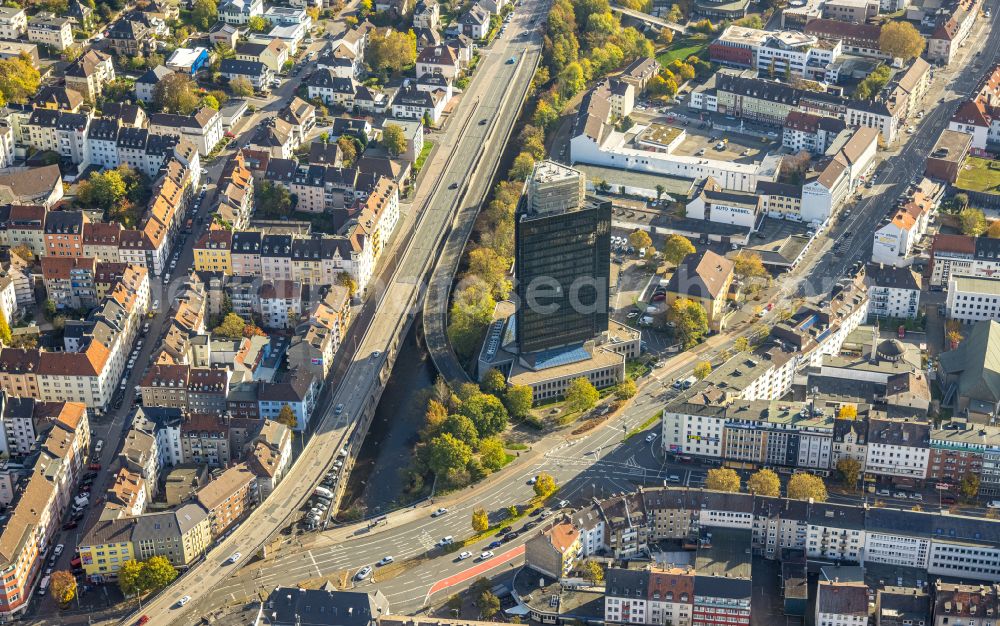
(81, 500)
(323, 492)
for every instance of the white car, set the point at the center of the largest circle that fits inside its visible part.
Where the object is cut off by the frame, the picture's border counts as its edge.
(650, 437)
(486, 555)
(58, 550)
(235, 557)
(993, 504)
(446, 541)
(464, 555)
(364, 572)
(439, 512)
(385, 561)
(184, 600)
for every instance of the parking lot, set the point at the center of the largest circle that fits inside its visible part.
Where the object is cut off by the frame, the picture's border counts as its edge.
(706, 142)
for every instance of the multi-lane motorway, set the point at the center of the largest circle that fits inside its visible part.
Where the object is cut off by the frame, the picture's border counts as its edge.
(506, 66)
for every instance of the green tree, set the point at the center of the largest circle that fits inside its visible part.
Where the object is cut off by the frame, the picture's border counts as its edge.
(157, 572)
(723, 479)
(462, 428)
(973, 221)
(19, 80)
(491, 454)
(969, 487)
(593, 572)
(446, 454)
(257, 24)
(394, 139)
(492, 268)
(850, 471)
(129, 578)
(901, 40)
(676, 248)
(103, 190)
(518, 400)
(524, 163)
(764, 483)
(493, 382)
(580, 395)
(690, 321)
(5, 336)
(287, 417)
(210, 102)
(272, 200)
(203, 14)
(486, 412)
(639, 239)
(625, 389)
(572, 80)
(545, 485)
(175, 94)
(480, 520)
(63, 586)
(471, 313)
(241, 86)
(962, 200)
(804, 486)
(488, 604)
(231, 327)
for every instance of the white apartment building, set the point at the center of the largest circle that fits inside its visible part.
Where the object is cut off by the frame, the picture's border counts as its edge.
(898, 448)
(52, 31)
(973, 299)
(203, 129)
(13, 23)
(894, 549)
(893, 292)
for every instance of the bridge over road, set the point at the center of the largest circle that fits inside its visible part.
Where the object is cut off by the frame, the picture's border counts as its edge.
(649, 19)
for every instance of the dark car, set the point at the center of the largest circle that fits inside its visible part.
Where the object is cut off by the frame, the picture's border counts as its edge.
(453, 186)
(504, 530)
(534, 512)
(509, 537)
(69, 525)
(482, 122)
(495, 544)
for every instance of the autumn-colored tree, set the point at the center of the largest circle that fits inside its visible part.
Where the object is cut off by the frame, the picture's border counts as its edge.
(690, 322)
(63, 586)
(850, 470)
(723, 479)
(348, 150)
(804, 486)
(480, 520)
(848, 412)
(702, 370)
(491, 454)
(639, 239)
(764, 483)
(390, 51)
(287, 417)
(231, 327)
(625, 389)
(676, 248)
(593, 572)
(901, 40)
(973, 221)
(19, 80)
(5, 336)
(241, 86)
(969, 487)
(545, 485)
(434, 418)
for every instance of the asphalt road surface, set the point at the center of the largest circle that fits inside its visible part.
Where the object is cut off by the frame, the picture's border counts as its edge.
(484, 99)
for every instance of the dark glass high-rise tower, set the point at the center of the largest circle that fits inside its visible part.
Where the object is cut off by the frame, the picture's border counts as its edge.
(562, 262)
